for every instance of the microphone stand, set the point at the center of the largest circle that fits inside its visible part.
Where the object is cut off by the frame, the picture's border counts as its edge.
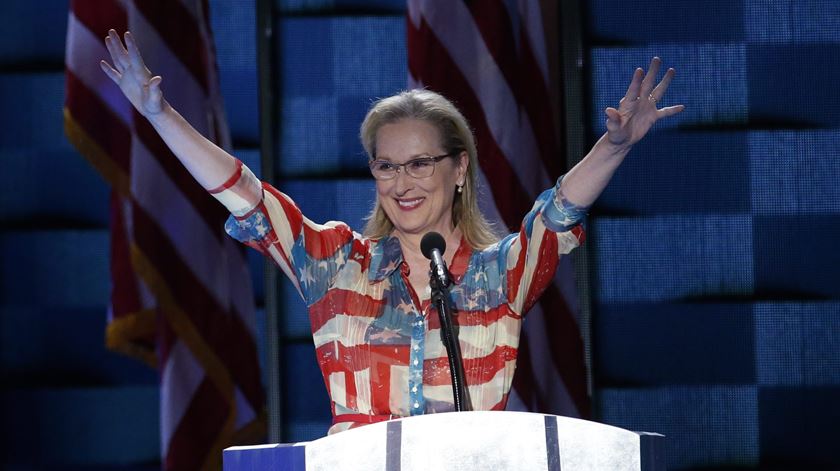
(440, 298)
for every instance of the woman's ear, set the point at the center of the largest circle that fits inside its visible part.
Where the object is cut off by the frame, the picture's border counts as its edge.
(463, 165)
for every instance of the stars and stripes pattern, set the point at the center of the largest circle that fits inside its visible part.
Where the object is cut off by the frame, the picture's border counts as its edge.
(378, 341)
(182, 297)
(493, 60)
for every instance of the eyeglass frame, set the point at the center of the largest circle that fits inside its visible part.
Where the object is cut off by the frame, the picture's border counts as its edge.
(435, 159)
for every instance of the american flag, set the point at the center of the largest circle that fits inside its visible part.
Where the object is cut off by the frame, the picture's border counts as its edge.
(182, 297)
(492, 59)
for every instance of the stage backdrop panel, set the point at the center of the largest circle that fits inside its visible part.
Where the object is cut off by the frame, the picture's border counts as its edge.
(716, 311)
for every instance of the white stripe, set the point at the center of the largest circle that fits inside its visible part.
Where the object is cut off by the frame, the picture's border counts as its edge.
(505, 333)
(280, 222)
(349, 330)
(283, 231)
(84, 51)
(456, 30)
(180, 378)
(397, 397)
(338, 390)
(362, 379)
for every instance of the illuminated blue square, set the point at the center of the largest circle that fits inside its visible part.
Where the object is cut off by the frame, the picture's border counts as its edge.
(790, 173)
(675, 257)
(704, 426)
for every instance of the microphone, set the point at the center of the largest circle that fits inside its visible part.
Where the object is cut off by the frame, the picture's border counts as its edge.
(433, 246)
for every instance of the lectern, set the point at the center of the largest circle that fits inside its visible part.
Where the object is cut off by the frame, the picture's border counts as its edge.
(464, 441)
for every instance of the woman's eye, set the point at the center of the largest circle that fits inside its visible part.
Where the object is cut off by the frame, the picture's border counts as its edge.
(383, 166)
(420, 163)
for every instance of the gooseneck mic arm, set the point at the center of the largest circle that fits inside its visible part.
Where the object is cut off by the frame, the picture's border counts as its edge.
(433, 246)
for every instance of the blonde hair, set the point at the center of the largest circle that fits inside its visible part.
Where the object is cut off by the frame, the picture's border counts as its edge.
(456, 137)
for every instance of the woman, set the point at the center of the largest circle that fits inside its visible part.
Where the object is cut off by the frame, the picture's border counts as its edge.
(376, 336)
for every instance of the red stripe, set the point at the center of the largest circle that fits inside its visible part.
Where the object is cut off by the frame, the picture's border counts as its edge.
(477, 370)
(350, 389)
(545, 267)
(198, 429)
(100, 16)
(566, 347)
(220, 327)
(324, 243)
(429, 62)
(125, 297)
(514, 275)
(178, 29)
(213, 214)
(99, 122)
(471, 318)
(237, 174)
(380, 376)
(353, 303)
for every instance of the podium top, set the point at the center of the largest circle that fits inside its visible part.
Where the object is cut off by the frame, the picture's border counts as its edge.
(469, 441)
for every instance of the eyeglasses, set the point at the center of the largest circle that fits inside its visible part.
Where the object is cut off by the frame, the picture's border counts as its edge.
(423, 167)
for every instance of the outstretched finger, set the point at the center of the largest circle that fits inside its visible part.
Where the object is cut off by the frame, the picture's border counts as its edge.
(117, 51)
(633, 90)
(110, 71)
(650, 77)
(669, 111)
(134, 52)
(660, 89)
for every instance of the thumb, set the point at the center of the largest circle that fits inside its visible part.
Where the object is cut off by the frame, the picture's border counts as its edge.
(613, 114)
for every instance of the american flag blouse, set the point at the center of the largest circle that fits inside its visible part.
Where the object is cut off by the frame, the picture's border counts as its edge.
(377, 342)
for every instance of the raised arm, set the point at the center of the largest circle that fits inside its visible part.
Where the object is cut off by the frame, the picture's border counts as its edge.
(626, 125)
(210, 165)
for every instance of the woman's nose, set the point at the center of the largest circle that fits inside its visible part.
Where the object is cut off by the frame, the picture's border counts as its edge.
(402, 181)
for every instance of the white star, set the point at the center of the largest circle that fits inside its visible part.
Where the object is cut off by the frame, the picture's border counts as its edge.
(306, 276)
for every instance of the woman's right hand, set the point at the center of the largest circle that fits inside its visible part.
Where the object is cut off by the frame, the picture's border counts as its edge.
(132, 76)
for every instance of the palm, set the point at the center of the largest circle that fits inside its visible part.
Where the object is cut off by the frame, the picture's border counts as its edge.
(130, 73)
(637, 111)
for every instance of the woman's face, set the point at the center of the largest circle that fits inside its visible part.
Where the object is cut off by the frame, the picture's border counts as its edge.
(418, 205)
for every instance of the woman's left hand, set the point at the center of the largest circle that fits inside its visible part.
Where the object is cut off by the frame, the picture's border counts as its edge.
(637, 111)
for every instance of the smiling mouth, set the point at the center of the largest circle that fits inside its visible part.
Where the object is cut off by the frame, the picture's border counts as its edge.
(409, 204)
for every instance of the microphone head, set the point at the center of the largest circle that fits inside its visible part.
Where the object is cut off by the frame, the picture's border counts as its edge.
(431, 241)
